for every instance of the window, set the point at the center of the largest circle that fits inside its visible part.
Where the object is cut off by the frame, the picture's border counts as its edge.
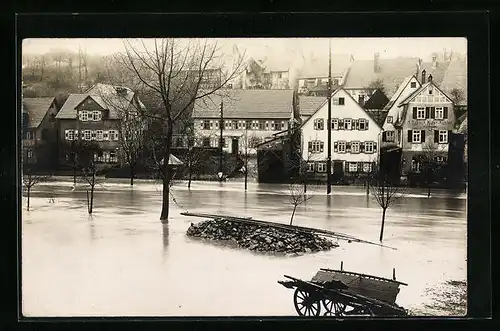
(443, 136)
(341, 101)
(321, 167)
(389, 119)
(369, 147)
(355, 147)
(240, 124)
(206, 142)
(362, 124)
(105, 135)
(335, 124)
(87, 134)
(367, 167)
(347, 124)
(282, 125)
(415, 165)
(93, 135)
(216, 124)
(96, 115)
(420, 113)
(441, 159)
(318, 124)
(261, 125)
(30, 153)
(310, 167)
(361, 99)
(389, 135)
(341, 146)
(112, 156)
(279, 75)
(316, 146)
(438, 113)
(413, 84)
(29, 135)
(113, 135)
(248, 125)
(430, 91)
(267, 125)
(206, 125)
(235, 125)
(416, 136)
(70, 134)
(353, 167)
(84, 115)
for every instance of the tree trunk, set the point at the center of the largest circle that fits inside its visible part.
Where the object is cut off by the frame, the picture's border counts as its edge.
(132, 173)
(293, 213)
(91, 199)
(305, 183)
(166, 196)
(166, 171)
(383, 223)
(29, 192)
(367, 188)
(74, 175)
(429, 190)
(190, 176)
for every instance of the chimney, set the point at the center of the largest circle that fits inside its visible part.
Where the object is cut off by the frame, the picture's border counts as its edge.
(423, 76)
(376, 62)
(430, 79)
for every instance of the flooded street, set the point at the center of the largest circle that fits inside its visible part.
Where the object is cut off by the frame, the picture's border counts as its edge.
(122, 261)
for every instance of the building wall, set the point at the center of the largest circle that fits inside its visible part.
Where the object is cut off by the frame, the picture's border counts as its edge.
(37, 138)
(260, 130)
(314, 81)
(280, 80)
(350, 110)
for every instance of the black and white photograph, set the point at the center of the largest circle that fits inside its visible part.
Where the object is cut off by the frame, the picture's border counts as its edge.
(204, 177)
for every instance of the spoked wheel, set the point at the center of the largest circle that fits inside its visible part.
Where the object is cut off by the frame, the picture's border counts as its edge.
(334, 308)
(306, 304)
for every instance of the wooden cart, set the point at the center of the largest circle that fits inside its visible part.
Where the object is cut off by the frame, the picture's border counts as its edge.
(344, 293)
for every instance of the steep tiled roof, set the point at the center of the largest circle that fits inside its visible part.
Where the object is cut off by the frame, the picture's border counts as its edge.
(415, 93)
(242, 103)
(392, 72)
(455, 77)
(68, 110)
(36, 108)
(378, 100)
(437, 72)
(398, 92)
(308, 104)
(318, 66)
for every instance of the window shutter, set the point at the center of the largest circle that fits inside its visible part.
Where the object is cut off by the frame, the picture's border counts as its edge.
(99, 116)
(66, 134)
(361, 147)
(201, 125)
(366, 125)
(414, 112)
(106, 135)
(309, 144)
(410, 136)
(449, 136)
(92, 134)
(374, 147)
(335, 146)
(436, 136)
(341, 124)
(433, 112)
(75, 135)
(321, 144)
(348, 147)
(384, 136)
(427, 112)
(422, 136)
(357, 124)
(445, 112)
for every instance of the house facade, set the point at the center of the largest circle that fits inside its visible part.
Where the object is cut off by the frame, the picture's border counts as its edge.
(97, 116)
(423, 126)
(249, 117)
(39, 130)
(355, 138)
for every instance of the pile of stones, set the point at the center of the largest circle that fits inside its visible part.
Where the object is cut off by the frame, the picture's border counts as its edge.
(260, 238)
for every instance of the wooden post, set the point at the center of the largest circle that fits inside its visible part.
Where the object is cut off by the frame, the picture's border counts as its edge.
(393, 273)
(342, 265)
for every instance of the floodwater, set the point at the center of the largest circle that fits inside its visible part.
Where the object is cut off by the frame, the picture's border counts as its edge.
(122, 261)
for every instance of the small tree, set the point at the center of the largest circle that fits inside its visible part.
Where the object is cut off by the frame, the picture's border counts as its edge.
(457, 95)
(296, 197)
(377, 84)
(430, 165)
(87, 161)
(385, 192)
(30, 180)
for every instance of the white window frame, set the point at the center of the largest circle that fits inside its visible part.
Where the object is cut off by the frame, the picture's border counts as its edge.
(316, 146)
(95, 115)
(310, 167)
(347, 124)
(321, 166)
(353, 165)
(355, 147)
(390, 135)
(87, 134)
(105, 135)
(415, 165)
(29, 135)
(71, 134)
(99, 135)
(367, 167)
(30, 153)
(416, 136)
(440, 159)
(362, 121)
(113, 159)
(342, 144)
(440, 111)
(335, 123)
(319, 124)
(389, 119)
(413, 85)
(443, 136)
(84, 116)
(369, 148)
(420, 111)
(282, 125)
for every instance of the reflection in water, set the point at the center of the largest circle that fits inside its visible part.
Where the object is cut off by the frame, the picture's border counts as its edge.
(91, 227)
(165, 236)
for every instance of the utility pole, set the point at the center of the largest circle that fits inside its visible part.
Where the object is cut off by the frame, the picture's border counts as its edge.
(221, 140)
(329, 122)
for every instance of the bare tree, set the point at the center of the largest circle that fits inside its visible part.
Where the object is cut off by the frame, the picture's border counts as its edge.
(457, 95)
(430, 165)
(377, 84)
(87, 161)
(172, 73)
(385, 193)
(29, 180)
(296, 197)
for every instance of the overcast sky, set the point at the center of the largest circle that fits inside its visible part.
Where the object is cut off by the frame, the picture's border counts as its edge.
(361, 48)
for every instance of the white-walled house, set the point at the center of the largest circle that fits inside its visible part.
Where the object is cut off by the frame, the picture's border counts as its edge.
(355, 137)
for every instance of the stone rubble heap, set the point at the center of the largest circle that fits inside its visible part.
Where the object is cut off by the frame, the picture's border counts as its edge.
(260, 238)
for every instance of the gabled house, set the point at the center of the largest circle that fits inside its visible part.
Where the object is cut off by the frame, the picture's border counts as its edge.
(355, 138)
(308, 105)
(97, 116)
(39, 130)
(423, 125)
(313, 76)
(375, 106)
(251, 116)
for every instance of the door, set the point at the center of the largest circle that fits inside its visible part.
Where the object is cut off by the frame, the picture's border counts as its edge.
(234, 146)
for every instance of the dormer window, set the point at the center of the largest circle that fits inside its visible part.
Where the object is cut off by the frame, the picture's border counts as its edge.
(96, 115)
(430, 91)
(413, 85)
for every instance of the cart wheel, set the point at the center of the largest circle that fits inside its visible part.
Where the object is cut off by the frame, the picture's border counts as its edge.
(334, 308)
(305, 303)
